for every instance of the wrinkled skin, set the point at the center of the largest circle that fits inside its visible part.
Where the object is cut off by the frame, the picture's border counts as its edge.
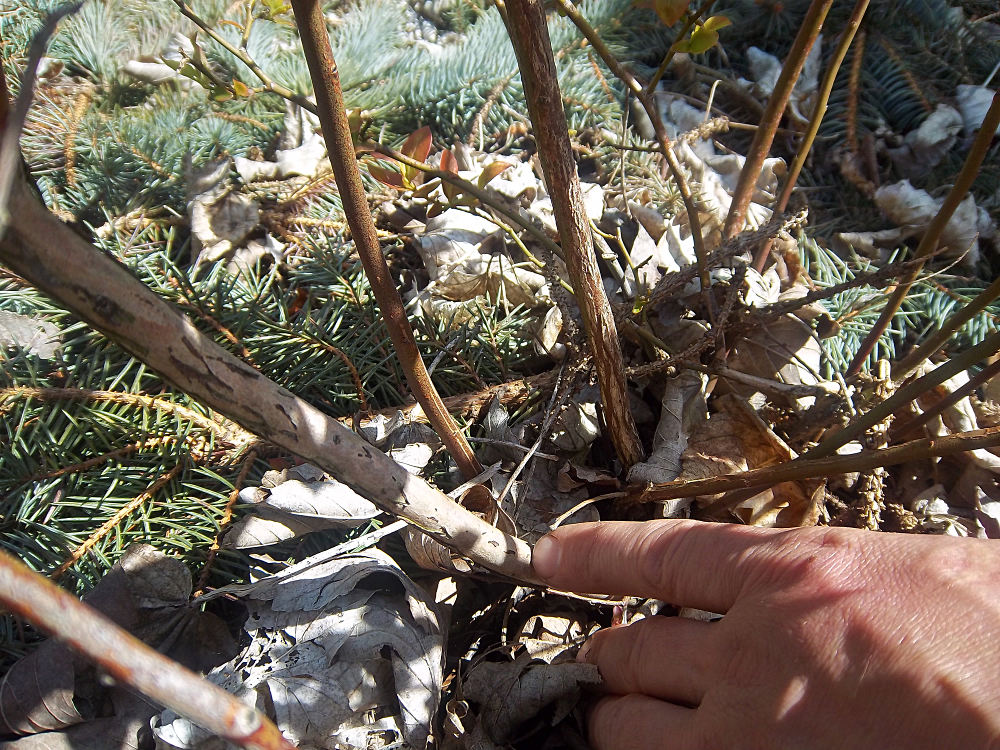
(832, 638)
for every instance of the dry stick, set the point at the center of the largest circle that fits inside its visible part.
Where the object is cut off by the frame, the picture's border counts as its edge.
(833, 67)
(122, 513)
(666, 148)
(946, 403)
(776, 104)
(530, 36)
(930, 239)
(337, 133)
(989, 346)
(810, 469)
(937, 339)
(104, 293)
(130, 661)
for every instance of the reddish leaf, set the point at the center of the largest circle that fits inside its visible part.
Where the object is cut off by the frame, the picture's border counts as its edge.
(380, 171)
(418, 144)
(449, 164)
(670, 11)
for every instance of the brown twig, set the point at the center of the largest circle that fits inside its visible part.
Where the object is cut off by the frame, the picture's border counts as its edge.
(530, 36)
(929, 242)
(129, 661)
(227, 517)
(851, 116)
(822, 98)
(666, 148)
(340, 146)
(800, 469)
(771, 118)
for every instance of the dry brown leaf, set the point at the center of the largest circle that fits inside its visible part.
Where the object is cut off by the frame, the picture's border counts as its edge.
(510, 693)
(735, 439)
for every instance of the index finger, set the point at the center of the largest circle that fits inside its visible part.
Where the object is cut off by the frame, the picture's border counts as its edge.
(687, 563)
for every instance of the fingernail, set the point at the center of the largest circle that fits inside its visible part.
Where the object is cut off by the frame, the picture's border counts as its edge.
(584, 650)
(545, 556)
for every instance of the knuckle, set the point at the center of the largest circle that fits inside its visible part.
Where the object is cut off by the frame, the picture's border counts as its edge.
(825, 557)
(658, 551)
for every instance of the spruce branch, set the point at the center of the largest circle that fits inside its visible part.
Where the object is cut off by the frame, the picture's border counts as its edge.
(530, 36)
(130, 661)
(340, 147)
(50, 256)
(776, 103)
(125, 511)
(980, 147)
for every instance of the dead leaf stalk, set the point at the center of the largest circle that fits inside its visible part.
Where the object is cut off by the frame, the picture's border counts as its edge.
(340, 146)
(776, 103)
(823, 97)
(989, 346)
(980, 147)
(128, 660)
(799, 469)
(948, 401)
(530, 36)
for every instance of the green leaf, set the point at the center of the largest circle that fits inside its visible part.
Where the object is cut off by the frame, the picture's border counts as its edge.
(670, 11)
(717, 22)
(702, 40)
(240, 89)
(220, 94)
(492, 169)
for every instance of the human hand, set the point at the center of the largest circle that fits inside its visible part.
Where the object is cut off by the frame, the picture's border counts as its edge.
(832, 638)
